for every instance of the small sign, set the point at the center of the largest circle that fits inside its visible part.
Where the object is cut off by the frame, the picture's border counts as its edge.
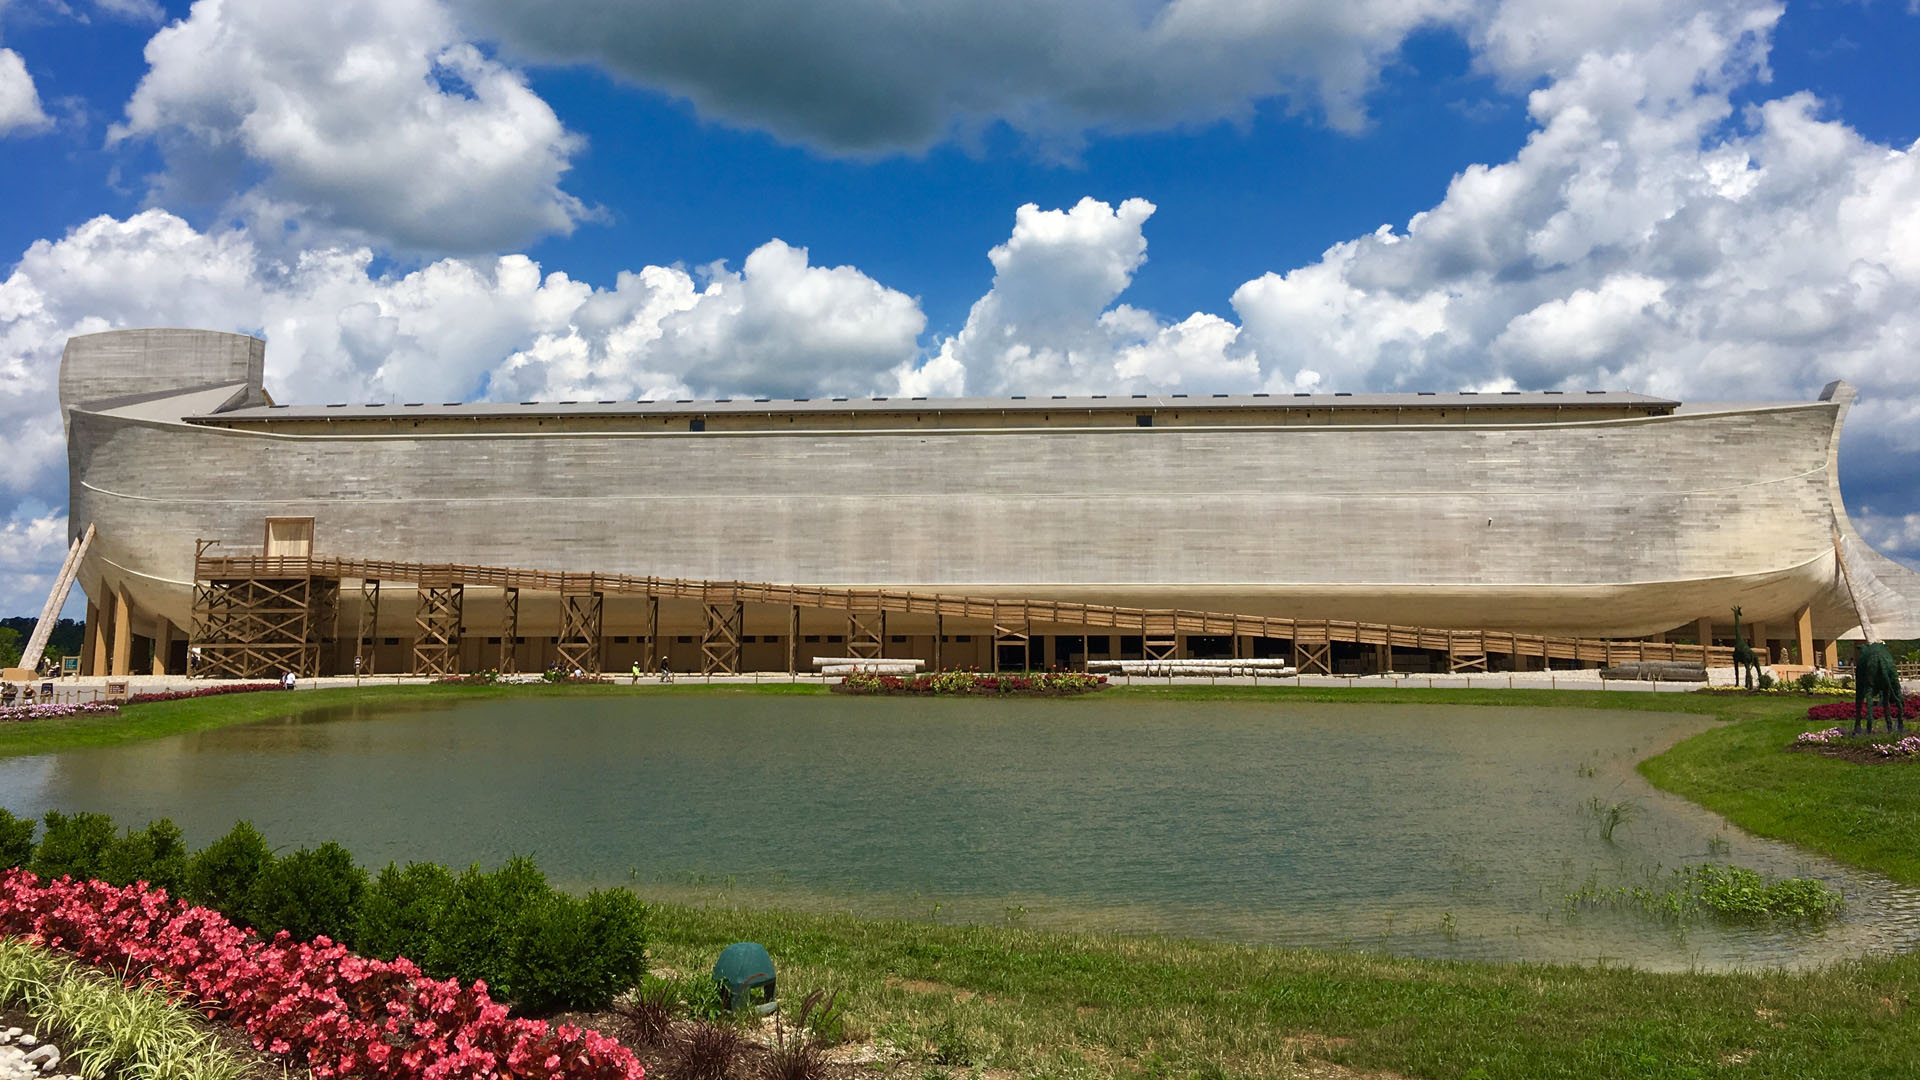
(69, 665)
(116, 690)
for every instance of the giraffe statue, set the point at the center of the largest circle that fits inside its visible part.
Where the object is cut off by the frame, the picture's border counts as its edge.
(1876, 678)
(1744, 661)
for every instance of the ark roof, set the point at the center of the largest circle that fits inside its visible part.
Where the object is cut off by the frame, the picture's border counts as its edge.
(1118, 403)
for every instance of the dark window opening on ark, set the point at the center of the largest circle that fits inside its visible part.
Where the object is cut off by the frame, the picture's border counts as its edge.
(1210, 646)
(696, 425)
(1143, 420)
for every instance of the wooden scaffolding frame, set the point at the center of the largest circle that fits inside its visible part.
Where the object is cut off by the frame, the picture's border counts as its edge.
(259, 627)
(436, 623)
(720, 641)
(581, 616)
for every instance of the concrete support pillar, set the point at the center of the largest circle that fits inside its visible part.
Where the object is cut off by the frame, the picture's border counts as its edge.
(1704, 631)
(1803, 629)
(122, 660)
(162, 645)
(90, 642)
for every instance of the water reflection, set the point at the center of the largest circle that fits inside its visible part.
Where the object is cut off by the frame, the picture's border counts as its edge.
(1425, 830)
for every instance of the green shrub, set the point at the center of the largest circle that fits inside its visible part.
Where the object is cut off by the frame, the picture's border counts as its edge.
(221, 876)
(16, 840)
(1739, 894)
(401, 911)
(577, 953)
(309, 893)
(75, 846)
(483, 916)
(156, 855)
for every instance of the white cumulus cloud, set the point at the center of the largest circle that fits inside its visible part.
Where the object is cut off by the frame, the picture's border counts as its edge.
(19, 99)
(372, 120)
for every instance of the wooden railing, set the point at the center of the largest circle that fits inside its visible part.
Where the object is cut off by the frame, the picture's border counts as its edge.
(1145, 621)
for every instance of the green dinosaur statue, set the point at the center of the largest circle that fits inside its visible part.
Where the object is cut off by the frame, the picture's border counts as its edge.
(1876, 677)
(1743, 658)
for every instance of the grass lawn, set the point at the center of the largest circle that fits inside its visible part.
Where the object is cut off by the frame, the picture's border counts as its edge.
(958, 999)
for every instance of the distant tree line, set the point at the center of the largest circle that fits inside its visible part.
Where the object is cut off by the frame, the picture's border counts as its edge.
(64, 641)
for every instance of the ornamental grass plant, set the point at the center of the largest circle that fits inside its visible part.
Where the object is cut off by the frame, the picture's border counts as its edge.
(134, 1032)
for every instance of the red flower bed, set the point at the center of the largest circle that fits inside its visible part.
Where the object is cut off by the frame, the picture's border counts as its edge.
(205, 691)
(1843, 710)
(341, 1014)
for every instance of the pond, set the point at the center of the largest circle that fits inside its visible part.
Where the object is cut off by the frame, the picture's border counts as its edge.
(1426, 830)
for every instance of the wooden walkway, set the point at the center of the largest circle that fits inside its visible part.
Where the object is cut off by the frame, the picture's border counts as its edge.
(1013, 621)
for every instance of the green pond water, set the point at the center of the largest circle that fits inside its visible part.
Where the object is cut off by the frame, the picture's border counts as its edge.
(1416, 829)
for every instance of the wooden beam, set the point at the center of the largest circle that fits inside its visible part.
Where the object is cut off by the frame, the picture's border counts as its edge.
(122, 660)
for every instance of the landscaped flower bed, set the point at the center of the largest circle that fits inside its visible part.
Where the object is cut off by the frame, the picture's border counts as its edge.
(54, 712)
(339, 1014)
(1043, 683)
(1843, 710)
(204, 691)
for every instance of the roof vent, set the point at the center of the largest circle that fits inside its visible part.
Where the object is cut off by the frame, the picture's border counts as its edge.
(609, 403)
(683, 401)
(839, 399)
(761, 399)
(644, 401)
(1139, 395)
(1222, 395)
(567, 403)
(1059, 397)
(1298, 394)
(1343, 393)
(1099, 397)
(1019, 397)
(879, 399)
(340, 405)
(457, 404)
(1596, 391)
(1258, 394)
(1510, 391)
(1179, 395)
(721, 400)
(1426, 393)
(919, 399)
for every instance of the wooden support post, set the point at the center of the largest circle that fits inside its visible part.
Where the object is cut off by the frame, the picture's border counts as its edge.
(580, 623)
(1703, 629)
(1757, 637)
(654, 652)
(436, 622)
(162, 645)
(1803, 630)
(720, 641)
(122, 660)
(939, 641)
(90, 642)
(793, 640)
(367, 645)
(510, 631)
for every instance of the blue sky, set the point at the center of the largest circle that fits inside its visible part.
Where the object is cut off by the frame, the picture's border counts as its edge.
(1708, 199)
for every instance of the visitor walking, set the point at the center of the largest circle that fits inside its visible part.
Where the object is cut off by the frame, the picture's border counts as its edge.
(636, 673)
(666, 671)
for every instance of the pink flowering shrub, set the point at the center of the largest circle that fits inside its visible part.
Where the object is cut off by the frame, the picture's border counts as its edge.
(52, 712)
(340, 1014)
(1819, 738)
(1843, 710)
(1906, 747)
(973, 682)
(204, 691)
